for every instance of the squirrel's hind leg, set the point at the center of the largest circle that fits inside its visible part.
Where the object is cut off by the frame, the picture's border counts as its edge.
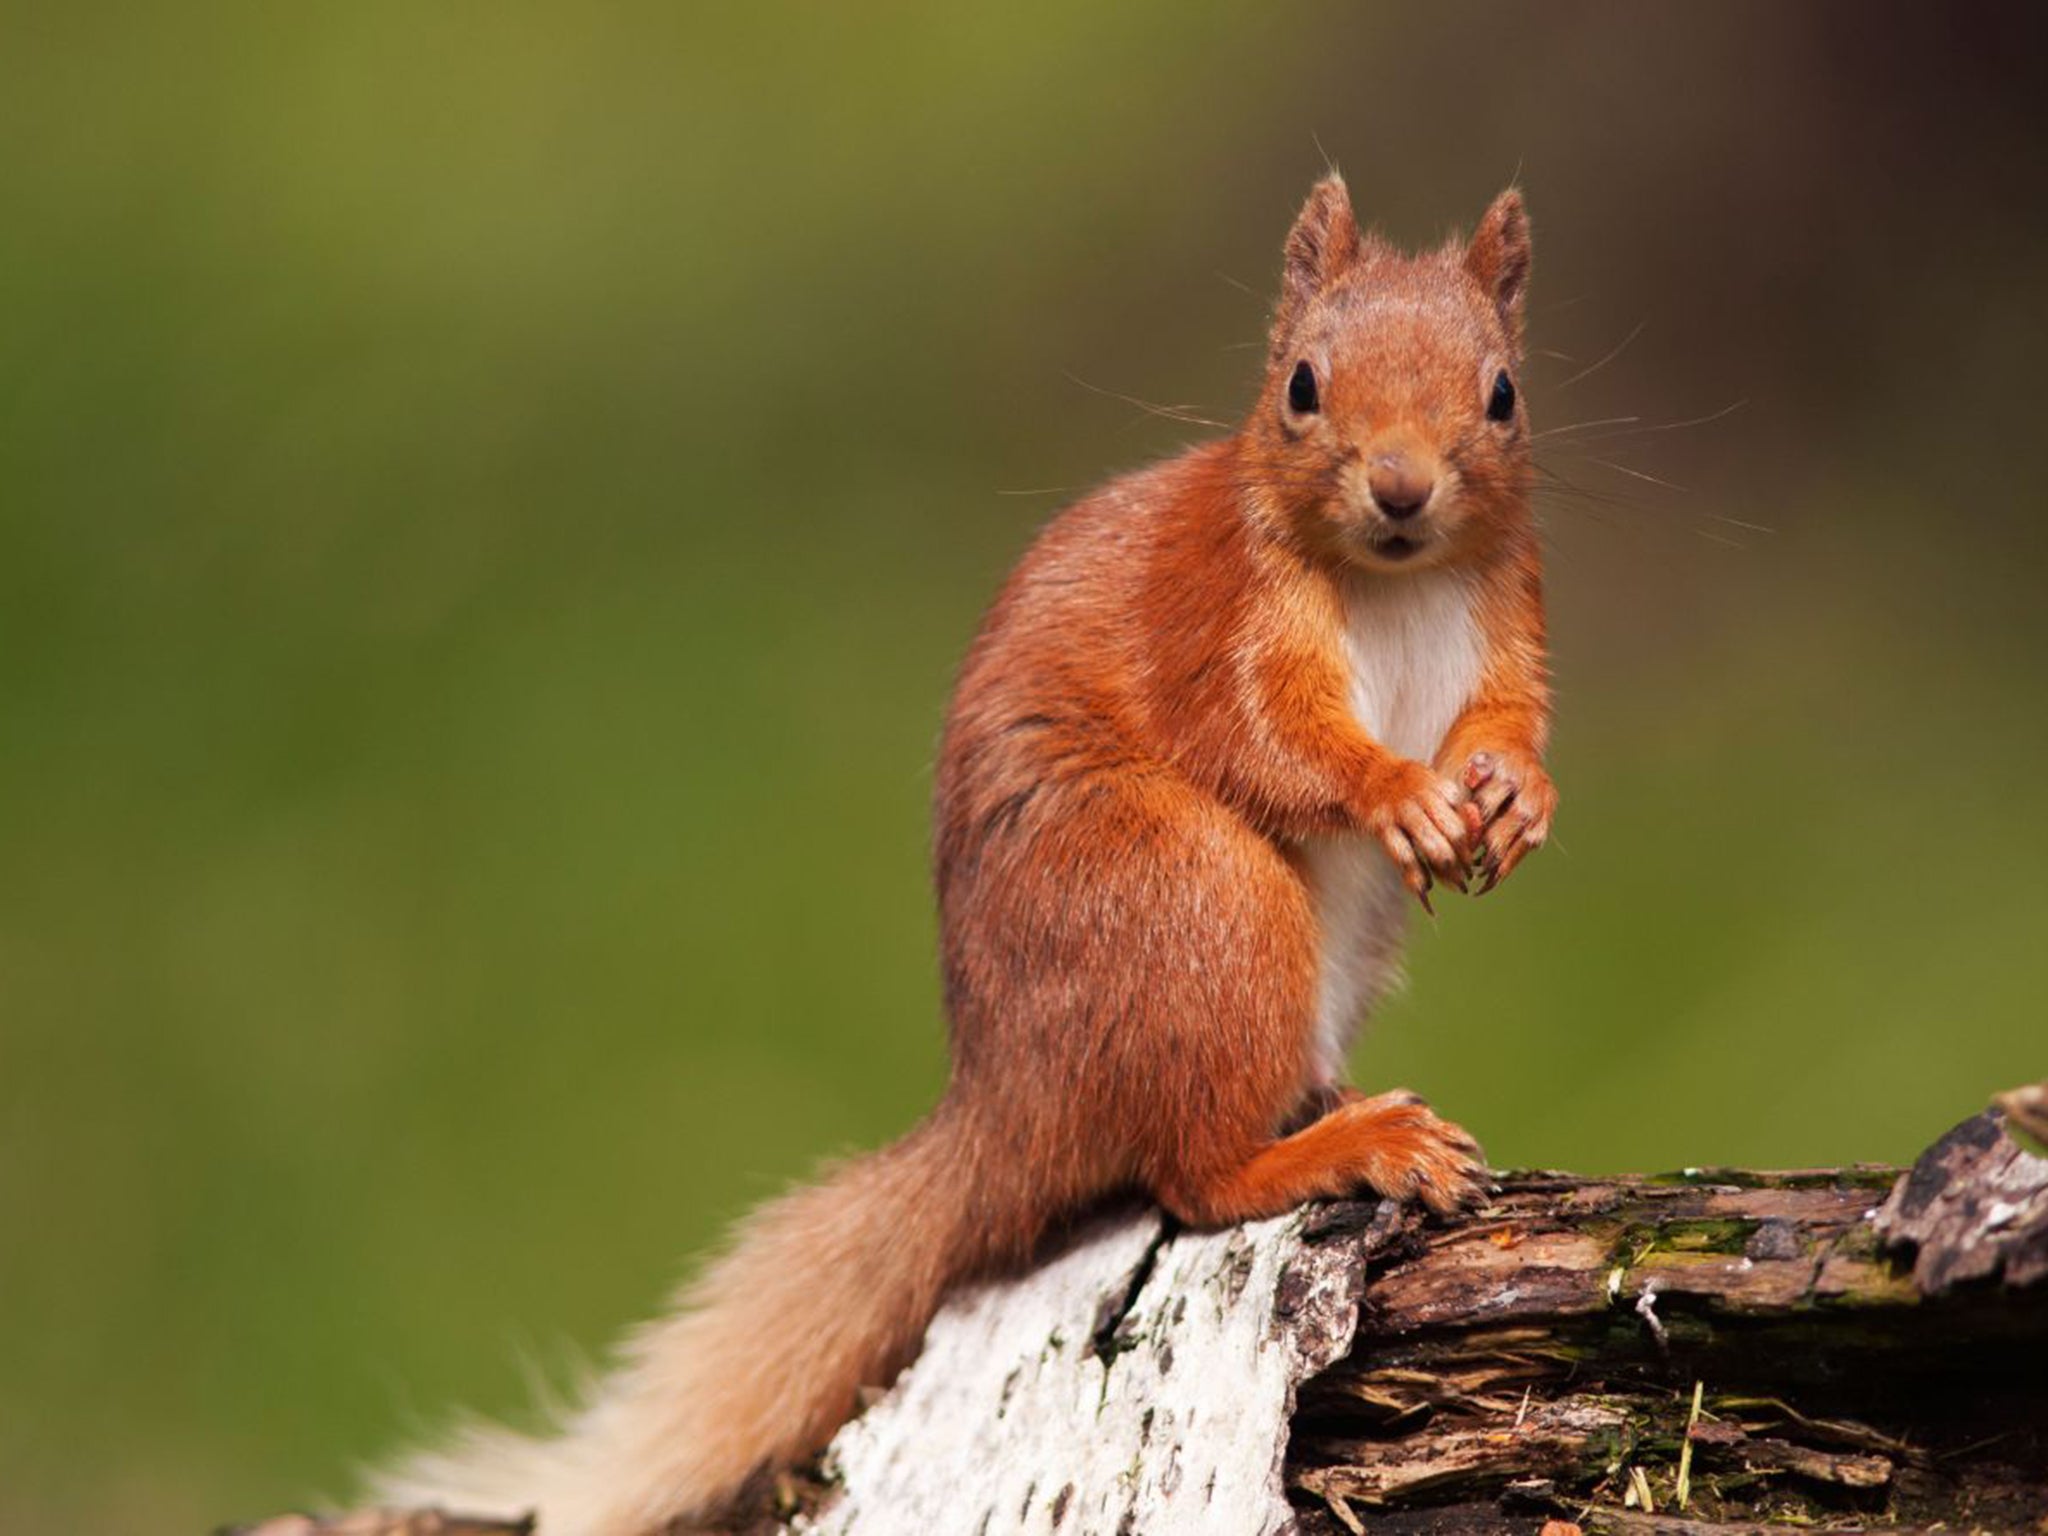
(1392, 1143)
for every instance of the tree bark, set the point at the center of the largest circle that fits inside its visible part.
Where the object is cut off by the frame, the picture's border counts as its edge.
(1706, 1352)
(1862, 1349)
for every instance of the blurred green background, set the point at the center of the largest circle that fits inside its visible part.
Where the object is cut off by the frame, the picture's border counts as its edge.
(494, 495)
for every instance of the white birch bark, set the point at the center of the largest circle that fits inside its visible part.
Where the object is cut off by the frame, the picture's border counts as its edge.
(1063, 1404)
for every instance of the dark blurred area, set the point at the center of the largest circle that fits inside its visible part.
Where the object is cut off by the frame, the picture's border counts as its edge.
(494, 497)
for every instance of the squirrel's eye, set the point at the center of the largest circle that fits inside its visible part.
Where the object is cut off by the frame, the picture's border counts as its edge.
(1500, 405)
(1301, 390)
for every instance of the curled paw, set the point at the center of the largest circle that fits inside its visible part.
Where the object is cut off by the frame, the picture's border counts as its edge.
(1417, 818)
(1510, 803)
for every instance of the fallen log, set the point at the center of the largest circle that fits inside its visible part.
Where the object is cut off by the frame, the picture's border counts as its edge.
(1713, 1351)
(1834, 1347)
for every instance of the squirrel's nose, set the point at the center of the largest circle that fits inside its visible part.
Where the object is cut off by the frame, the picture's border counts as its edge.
(1400, 488)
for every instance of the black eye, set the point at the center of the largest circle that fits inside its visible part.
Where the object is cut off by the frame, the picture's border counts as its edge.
(1500, 405)
(1301, 390)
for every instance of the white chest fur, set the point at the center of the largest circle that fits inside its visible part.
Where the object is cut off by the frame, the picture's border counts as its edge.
(1414, 651)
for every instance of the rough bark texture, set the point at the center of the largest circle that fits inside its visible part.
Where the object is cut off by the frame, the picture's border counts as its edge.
(1713, 1351)
(1140, 1382)
(1542, 1358)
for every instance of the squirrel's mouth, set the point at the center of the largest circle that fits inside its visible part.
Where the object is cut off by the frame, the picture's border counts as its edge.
(1380, 543)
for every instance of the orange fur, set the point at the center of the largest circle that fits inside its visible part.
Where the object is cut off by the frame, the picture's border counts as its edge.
(1155, 731)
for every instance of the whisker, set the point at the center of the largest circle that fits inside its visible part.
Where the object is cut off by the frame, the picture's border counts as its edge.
(1555, 484)
(1637, 473)
(1559, 485)
(1590, 508)
(1714, 538)
(1641, 431)
(1584, 373)
(1581, 426)
(1699, 421)
(1179, 413)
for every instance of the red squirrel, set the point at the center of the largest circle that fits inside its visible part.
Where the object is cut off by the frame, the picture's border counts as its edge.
(1226, 715)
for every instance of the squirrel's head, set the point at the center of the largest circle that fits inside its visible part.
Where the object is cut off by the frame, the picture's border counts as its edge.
(1391, 433)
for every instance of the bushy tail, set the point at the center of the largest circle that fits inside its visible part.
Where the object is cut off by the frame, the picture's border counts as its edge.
(823, 1291)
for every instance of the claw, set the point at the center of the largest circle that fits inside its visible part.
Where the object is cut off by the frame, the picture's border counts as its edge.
(1514, 855)
(1432, 828)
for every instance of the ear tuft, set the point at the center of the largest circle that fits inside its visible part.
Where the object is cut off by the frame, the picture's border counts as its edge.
(1322, 243)
(1498, 258)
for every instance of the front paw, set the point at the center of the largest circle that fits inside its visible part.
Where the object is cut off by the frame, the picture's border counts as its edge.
(1416, 817)
(1514, 801)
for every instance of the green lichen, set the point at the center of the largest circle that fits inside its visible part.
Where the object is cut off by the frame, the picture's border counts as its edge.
(1682, 1239)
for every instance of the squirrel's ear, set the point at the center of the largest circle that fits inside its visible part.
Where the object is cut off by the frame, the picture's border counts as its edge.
(1322, 243)
(1498, 258)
